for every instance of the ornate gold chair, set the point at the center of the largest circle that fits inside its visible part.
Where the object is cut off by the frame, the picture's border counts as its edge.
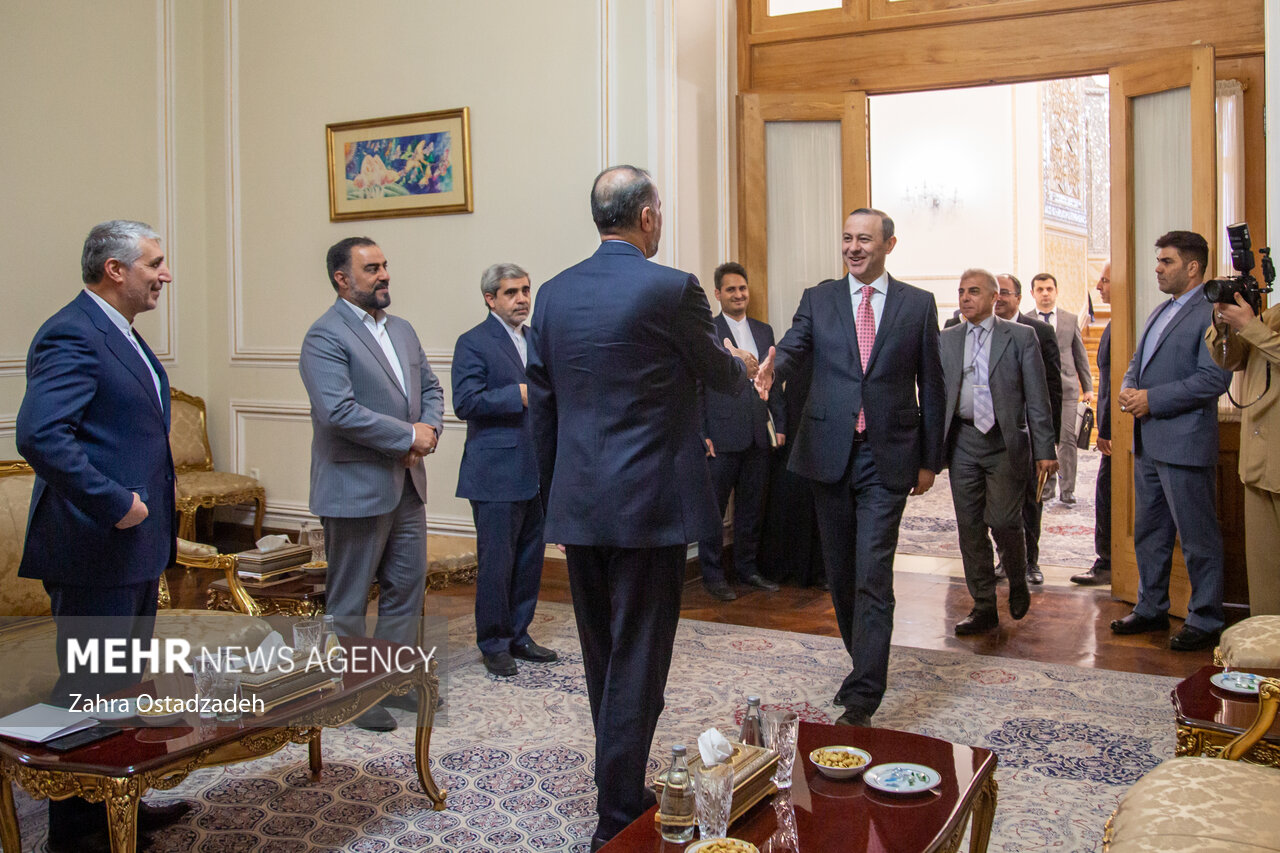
(1205, 804)
(199, 485)
(1252, 643)
(26, 628)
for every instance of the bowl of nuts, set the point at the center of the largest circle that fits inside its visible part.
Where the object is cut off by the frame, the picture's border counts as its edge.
(840, 762)
(722, 845)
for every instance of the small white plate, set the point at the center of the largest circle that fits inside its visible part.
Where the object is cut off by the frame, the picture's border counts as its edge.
(902, 778)
(1237, 682)
(738, 845)
(126, 709)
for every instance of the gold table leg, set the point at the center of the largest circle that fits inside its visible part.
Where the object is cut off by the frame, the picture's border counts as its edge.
(428, 695)
(10, 836)
(984, 815)
(313, 753)
(123, 796)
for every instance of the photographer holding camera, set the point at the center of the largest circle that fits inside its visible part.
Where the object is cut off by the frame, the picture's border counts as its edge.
(1242, 339)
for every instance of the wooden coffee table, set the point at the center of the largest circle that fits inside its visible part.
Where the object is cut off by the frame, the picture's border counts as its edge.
(820, 814)
(1208, 718)
(120, 769)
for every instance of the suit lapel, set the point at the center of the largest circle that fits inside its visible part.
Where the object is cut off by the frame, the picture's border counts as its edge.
(759, 333)
(126, 354)
(362, 333)
(498, 330)
(953, 364)
(1183, 312)
(160, 372)
(1000, 336)
(844, 310)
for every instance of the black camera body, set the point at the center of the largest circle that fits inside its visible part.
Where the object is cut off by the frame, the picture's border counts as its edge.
(1224, 290)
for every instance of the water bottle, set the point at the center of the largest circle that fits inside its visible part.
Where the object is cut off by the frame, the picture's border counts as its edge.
(675, 812)
(752, 724)
(332, 648)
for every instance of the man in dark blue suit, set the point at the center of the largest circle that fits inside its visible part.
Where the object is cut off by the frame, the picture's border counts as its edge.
(622, 344)
(736, 428)
(94, 424)
(499, 471)
(1171, 390)
(870, 434)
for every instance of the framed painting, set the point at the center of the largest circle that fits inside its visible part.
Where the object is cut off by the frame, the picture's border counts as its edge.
(410, 165)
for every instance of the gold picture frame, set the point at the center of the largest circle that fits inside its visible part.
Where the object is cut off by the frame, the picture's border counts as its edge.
(408, 165)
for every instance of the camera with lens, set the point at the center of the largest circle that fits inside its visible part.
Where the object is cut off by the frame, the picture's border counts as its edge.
(1224, 290)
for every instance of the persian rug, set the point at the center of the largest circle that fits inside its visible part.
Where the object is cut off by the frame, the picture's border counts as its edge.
(516, 754)
(1066, 531)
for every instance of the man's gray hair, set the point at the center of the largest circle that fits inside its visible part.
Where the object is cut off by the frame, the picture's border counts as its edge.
(496, 275)
(980, 275)
(120, 239)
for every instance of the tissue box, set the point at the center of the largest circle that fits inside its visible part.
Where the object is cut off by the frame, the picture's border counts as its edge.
(276, 685)
(257, 563)
(753, 769)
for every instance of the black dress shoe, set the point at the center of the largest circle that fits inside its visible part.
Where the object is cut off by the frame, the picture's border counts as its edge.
(152, 817)
(1099, 573)
(1191, 639)
(531, 651)
(758, 580)
(376, 719)
(1000, 575)
(1135, 624)
(977, 622)
(1034, 575)
(721, 591)
(853, 717)
(407, 702)
(1019, 600)
(501, 664)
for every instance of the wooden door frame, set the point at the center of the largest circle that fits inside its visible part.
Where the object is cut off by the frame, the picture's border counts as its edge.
(1191, 67)
(754, 111)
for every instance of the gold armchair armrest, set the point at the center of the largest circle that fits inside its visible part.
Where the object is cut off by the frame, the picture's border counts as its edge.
(195, 555)
(1268, 705)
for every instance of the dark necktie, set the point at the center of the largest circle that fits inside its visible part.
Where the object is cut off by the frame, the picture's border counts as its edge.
(1046, 315)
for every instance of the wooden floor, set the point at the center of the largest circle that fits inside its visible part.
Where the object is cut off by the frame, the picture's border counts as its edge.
(1066, 624)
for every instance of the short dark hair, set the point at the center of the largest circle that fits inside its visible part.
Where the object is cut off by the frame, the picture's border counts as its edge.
(1044, 276)
(886, 224)
(730, 268)
(1017, 285)
(339, 255)
(616, 202)
(1190, 245)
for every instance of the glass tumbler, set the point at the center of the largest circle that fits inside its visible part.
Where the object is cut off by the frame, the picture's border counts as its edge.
(781, 729)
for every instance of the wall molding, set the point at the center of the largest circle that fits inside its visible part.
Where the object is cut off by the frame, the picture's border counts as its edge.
(9, 425)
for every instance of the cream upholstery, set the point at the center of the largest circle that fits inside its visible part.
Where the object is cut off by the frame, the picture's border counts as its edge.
(1251, 643)
(26, 630)
(198, 484)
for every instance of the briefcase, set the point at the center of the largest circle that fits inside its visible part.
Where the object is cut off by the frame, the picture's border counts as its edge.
(1085, 433)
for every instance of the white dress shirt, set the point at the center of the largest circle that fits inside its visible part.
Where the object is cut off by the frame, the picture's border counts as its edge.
(977, 355)
(378, 328)
(517, 337)
(742, 336)
(881, 286)
(118, 320)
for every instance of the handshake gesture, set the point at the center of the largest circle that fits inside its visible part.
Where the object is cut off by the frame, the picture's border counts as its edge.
(760, 371)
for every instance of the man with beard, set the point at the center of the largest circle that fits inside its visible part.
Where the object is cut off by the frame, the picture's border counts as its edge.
(376, 411)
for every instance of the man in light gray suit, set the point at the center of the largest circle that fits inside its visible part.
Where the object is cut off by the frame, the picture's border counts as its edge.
(376, 411)
(1171, 391)
(998, 418)
(1077, 380)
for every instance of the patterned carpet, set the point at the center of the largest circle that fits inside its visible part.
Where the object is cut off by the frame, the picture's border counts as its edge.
(1066, 532)
(515, 754)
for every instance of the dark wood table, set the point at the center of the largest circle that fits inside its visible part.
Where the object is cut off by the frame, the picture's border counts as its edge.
(820, 814)
(121, 768)
(1208, 718)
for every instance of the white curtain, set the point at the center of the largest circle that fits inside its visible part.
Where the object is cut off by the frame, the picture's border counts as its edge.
(804, 216)
(1161, 186)
(1229, 105)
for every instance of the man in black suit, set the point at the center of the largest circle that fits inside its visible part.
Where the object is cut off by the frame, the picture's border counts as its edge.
(499, 470)
(622, 344)
(871, 434)
(736, 429)
(1007, 302)
(1100, 572)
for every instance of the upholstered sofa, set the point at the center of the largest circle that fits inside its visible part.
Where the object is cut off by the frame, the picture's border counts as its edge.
(1252, 643)
(26, 628)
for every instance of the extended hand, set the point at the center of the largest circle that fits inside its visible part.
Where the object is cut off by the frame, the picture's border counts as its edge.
(1047, 467)
(711, 448)
(752, 363)
(924, 482)
(1236, 316)
(764, 376)
(524, 395)
(136, 515)
(1104, 446)
(424, 439)
(1134, 402)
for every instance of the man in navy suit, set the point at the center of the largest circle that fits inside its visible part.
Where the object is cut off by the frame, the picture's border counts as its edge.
(1171, 390)
(870, 434)
(499, 472)
(94, 424)
(736, 427)
(622, 344)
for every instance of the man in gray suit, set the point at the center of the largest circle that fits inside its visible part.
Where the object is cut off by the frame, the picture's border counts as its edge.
(999, 418)
(1171, 391)
(1077, 380)
(376, 411)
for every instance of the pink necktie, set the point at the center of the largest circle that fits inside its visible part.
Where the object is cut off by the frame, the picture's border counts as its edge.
(866, 327)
